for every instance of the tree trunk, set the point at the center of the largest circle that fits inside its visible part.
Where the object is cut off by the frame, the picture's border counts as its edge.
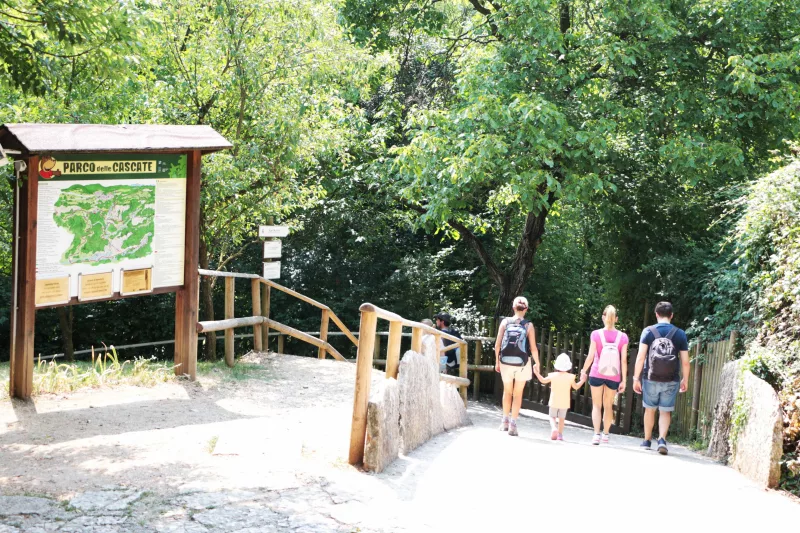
(65, 319)
(207, 302)
(512, 282)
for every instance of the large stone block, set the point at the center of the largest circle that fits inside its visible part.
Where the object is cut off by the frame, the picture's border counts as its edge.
(759, 445)
(454, 413)
(383, 426)
(414, 381)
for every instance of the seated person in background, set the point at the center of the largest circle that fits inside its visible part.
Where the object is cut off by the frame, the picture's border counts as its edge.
(429, 342)
(443, 321)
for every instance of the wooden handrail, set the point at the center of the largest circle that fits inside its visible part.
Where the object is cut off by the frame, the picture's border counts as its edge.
(296, 294)
(224, 274)
(392, 317)
(261, 331)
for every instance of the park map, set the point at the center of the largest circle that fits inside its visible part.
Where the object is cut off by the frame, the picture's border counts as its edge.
(108, 223)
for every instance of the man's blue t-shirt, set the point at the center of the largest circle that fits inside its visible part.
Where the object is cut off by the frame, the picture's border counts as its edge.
(678, 339)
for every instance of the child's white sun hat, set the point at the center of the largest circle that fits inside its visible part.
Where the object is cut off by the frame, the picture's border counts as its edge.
(563, 363)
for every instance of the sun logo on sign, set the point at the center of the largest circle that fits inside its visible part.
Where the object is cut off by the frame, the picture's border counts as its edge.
(46, 166)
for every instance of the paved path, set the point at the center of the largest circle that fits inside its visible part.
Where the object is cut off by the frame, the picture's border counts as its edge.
(471, 479)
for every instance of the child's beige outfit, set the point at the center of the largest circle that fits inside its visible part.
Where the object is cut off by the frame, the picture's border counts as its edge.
(560, 389)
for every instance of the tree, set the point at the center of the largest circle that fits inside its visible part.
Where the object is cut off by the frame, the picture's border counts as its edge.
(573, 100)
(38, 36)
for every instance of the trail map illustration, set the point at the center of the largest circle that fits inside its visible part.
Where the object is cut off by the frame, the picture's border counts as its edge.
(102, 216)
(109, 223)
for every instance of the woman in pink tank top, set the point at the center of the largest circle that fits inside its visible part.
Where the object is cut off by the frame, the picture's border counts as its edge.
(607, 366)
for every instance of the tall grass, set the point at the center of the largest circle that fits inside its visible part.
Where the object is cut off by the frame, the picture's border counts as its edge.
(104, 370)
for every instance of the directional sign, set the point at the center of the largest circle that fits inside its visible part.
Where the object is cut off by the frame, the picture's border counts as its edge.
(273, 231)
(272, 270)
(272, 249)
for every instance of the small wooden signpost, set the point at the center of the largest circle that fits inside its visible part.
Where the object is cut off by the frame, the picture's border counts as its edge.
(105, 212)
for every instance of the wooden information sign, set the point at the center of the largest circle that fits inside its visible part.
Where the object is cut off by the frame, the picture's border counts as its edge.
(273, 231)
(272, 249)
(272, 270)
(105, 212)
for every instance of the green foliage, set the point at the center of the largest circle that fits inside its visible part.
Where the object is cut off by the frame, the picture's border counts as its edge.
(38, 38)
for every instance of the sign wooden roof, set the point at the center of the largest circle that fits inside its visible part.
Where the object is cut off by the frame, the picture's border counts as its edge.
(81, 138)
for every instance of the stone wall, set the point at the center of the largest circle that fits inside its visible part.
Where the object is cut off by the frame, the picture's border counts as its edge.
(405, 414)
(383, 431)
(759, 444)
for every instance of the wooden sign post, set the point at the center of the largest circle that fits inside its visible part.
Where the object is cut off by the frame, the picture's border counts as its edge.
(138, 235)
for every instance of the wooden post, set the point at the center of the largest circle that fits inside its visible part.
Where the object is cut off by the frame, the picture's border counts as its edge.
(366, 345)
(323, 332)
(645, 321)
(696, 384)
(731, 346)
(416, 340)
(463, 368)
(476, 376)
(393, 348)
(187, 298)
(376, 347)
(24, 316)
(229, 299)
(280, 342)
(255, 290)
(265, 295)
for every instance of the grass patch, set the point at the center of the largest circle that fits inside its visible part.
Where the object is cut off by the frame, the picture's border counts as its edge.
(103, 370)
(240, 372)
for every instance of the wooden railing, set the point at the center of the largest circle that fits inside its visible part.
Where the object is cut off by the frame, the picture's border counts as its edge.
(366, 346)
(694, 410)
(260, 290)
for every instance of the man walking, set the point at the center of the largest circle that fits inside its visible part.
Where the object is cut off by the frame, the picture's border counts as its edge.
(662, 369)
(443, 321)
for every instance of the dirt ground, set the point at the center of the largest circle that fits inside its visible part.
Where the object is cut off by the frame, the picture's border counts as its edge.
(268, 453)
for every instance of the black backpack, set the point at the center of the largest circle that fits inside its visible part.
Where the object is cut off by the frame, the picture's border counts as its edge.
(662, 357)
(453, 355)
(514, 350)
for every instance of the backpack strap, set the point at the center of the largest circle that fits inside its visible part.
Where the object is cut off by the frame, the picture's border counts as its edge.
(602, 335)
(672, 333)
(617, 340)
(654, 331)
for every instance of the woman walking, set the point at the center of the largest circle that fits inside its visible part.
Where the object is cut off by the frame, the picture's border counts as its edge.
(514, 348)
(609, 370)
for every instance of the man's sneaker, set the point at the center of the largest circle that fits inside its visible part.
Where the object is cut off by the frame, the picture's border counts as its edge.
(512, 429)
(662, 446)
(645, 445)
(596, 439)
(504, 425)
(604, 438)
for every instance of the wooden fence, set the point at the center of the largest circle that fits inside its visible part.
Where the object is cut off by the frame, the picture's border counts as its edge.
(260, 322)
(694, 409)
(364, 361)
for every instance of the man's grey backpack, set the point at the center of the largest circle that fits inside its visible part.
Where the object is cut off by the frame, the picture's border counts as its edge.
(514, 349)
(662, 358)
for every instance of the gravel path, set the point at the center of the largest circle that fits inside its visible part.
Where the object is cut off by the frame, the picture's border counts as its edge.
(267, 454)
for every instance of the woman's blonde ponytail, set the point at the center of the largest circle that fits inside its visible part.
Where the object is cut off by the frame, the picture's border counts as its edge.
(610, 316)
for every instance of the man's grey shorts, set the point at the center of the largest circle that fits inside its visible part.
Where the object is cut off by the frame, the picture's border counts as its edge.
(558, 413)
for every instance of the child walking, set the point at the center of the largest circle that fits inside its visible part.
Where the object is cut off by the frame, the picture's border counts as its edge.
(561, 385)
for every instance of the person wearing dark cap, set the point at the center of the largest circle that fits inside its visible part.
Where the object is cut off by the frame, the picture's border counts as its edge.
(443, 323)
